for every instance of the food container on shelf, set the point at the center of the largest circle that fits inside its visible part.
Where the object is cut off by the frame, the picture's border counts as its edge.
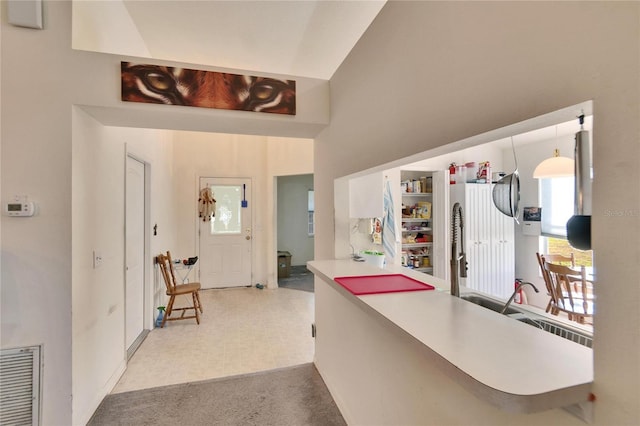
(471, 172)
(423, 210)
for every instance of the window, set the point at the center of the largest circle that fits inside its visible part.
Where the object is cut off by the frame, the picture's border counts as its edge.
(228, 219)
(310, 209)
(561, 246)
(557, 201)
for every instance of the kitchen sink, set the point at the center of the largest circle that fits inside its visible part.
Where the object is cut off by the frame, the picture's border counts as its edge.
(552, 327)
(485, 302)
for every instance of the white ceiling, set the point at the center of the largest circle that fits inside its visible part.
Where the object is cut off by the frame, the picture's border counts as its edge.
(306, 38)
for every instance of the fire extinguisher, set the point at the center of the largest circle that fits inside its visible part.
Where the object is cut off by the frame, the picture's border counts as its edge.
(518, 298)
(452, 173)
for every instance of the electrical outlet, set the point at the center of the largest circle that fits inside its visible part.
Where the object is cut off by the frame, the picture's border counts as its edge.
(97, 259)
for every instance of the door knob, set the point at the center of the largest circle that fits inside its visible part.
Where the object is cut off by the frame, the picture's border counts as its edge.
(248, 237)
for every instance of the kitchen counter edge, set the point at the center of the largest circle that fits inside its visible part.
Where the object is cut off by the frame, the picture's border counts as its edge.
(507, 390)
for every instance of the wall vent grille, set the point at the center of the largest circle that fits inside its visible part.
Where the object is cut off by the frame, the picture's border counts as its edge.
(20, 386)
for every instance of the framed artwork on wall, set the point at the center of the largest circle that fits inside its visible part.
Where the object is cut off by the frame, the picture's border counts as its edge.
(158, 84)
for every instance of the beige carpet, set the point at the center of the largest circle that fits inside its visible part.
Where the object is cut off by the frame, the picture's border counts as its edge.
(288, 396)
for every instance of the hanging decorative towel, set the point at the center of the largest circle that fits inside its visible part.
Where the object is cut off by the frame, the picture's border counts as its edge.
(389, 225)
(206, 204)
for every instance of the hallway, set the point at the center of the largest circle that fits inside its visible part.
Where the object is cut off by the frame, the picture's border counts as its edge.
(242, 330)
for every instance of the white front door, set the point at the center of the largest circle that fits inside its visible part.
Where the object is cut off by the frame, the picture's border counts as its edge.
(226, 240)
(134, 240)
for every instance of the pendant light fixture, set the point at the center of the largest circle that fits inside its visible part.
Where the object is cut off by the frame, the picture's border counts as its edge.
(579, 225)
(555, 166)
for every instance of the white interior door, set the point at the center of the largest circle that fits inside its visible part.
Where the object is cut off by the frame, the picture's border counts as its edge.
(226, 240)
(134, 239)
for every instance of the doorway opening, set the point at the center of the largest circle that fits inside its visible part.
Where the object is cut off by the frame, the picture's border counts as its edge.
(296, 231)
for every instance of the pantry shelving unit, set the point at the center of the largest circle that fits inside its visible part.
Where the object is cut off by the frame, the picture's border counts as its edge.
(417, 221)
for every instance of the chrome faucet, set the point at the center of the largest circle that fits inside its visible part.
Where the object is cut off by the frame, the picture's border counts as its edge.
(355, 256)
(519, 285)
(456, 257)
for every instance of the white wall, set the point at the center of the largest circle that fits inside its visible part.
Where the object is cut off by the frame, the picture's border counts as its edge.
(293, 217)
(476, 154)
(93, 24)
(474, 67)
(220, 155)
(42, 78)
(98, 297)
(36, 161)
(526, 246)
(98, 211)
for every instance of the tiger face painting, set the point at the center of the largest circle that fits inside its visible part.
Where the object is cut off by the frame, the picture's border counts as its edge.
(207, 89)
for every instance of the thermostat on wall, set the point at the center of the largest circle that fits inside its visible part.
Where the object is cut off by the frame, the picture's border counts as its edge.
(19, 208)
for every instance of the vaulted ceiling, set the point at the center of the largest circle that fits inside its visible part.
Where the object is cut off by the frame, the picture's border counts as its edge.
(307, 38)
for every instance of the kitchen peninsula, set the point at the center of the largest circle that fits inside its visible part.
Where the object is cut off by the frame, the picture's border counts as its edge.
(425, 357)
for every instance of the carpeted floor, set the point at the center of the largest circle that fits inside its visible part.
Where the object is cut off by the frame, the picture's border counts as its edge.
(289, 396)
(300, 278)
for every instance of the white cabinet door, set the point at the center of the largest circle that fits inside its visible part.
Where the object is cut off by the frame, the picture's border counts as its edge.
(366, 196)
(478, 235)
(503, 249)
(489, 240)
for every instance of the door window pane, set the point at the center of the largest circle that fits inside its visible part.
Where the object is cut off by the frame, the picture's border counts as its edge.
(228, 220)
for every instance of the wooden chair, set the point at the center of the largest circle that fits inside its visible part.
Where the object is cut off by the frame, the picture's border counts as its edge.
(548, 285)
(559, 259)
(174, 289)
(577, 304)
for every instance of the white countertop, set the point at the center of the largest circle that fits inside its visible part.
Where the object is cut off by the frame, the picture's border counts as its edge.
(497, 352)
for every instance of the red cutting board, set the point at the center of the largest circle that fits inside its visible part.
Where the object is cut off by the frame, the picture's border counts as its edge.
(374, 284)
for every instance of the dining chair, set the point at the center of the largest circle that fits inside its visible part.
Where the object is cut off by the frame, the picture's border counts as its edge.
(547, 282)
(577, 304)
(561, 259)
(175, 289)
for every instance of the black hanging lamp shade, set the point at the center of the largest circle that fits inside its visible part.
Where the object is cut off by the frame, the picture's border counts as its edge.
(579, 231)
